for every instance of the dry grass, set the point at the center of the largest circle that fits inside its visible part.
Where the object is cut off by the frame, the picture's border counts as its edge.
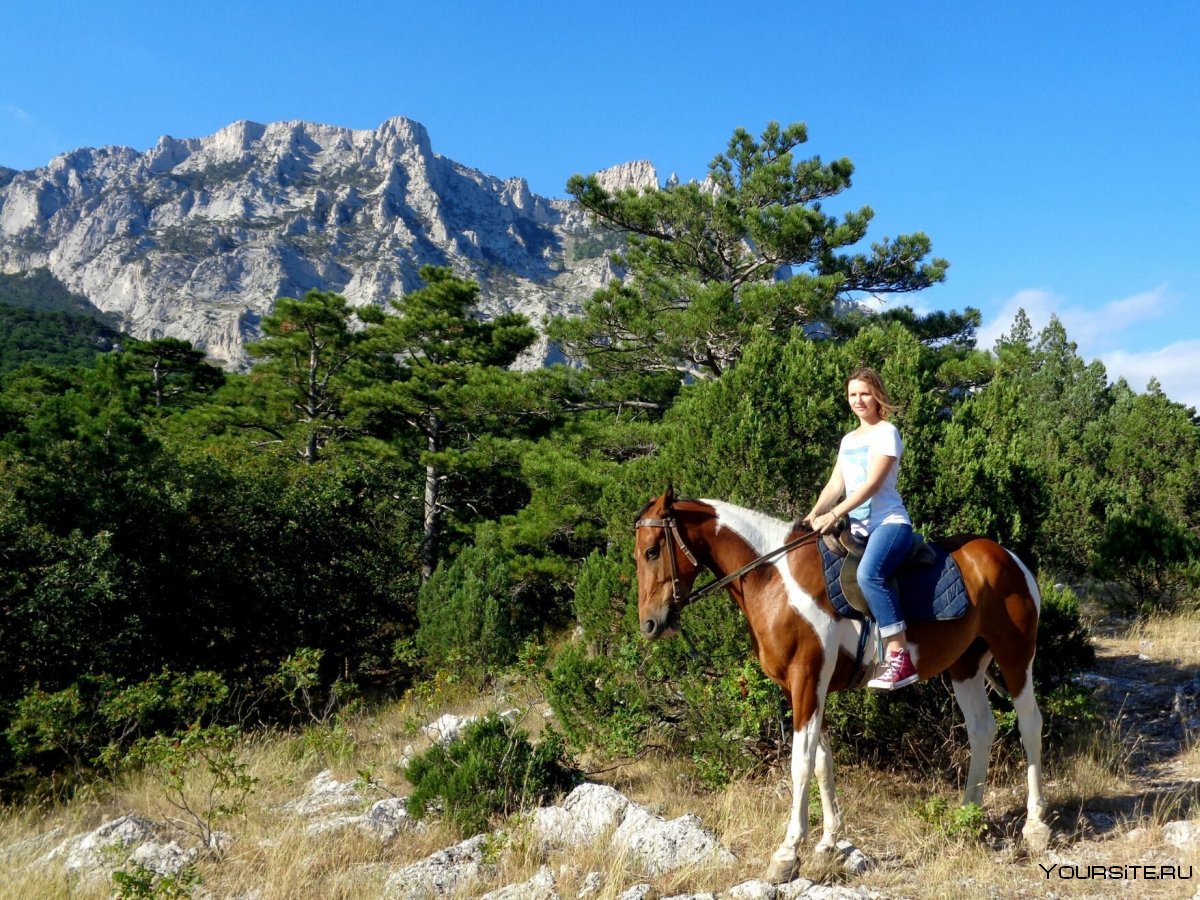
(272, 855)
(1173, 638)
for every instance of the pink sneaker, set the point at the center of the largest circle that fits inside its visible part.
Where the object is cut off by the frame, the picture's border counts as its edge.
(898, 671)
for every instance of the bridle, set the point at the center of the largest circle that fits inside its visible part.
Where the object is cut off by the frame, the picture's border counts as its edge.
(671, 530)
(671, 533)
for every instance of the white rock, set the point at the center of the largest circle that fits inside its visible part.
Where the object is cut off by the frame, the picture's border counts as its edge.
(88, 851)
(637, 892)
(447, 728)
(1184, 834)
(540, 887)
(794, 889)
(661, 846)
(587, 813)
(639, 174)
(165, 859)
(384, 820)
(592, 883)
(442, 873)
(387, 818)
(833, 892)
(854, 860)
(323, 793)
(593, 810)
(754, 890)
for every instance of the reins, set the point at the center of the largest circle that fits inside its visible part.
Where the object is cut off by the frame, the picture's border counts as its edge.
(671, 528)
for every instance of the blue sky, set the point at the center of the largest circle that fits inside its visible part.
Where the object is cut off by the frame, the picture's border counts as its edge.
(1049, 149)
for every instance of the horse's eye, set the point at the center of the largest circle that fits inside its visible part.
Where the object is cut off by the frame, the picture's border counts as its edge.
(652, 552)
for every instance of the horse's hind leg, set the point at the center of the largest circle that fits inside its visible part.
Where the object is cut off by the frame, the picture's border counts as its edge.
(970, 690)
(1029, 719)
(831, 815)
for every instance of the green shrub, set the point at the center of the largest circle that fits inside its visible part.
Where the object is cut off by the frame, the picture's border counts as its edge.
(201, 775)
(95, 720)
(1064, 648)
(471, 613)
(602, 596)
(491, 770)
(138, 882)
(964, 821)
(599, 701)
(1154, 557)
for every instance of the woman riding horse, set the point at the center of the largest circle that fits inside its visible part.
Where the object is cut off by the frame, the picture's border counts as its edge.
(775, 574)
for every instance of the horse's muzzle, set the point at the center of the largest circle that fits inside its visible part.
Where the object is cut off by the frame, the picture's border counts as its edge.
(660, 626)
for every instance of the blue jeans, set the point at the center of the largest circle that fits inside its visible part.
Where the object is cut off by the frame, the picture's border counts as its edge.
(886, 549)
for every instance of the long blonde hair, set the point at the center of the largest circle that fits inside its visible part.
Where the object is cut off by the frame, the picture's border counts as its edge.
(878, 391)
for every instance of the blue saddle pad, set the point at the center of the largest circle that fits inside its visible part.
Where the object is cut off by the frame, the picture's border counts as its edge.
(935, 591)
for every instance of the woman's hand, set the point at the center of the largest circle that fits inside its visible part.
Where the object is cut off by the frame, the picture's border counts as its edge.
(824, 523)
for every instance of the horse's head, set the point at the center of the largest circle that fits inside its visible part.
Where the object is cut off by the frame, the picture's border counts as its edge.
(666, 568)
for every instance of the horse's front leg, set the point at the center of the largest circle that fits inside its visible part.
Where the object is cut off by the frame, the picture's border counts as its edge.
(806, 739)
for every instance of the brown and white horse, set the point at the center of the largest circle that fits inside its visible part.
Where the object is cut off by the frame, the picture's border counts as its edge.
(806, 648)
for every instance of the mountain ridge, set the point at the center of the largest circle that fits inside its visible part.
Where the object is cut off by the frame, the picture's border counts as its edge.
(197, 237)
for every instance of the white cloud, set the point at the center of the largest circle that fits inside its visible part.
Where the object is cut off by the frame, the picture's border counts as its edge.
(1099, 333)
(15, 112)
(1094, 330)
(1176, 366)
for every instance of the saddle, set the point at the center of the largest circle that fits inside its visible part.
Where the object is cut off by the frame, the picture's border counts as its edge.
(842, 542)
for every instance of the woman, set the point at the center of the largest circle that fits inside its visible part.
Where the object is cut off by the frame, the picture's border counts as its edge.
(865, 473)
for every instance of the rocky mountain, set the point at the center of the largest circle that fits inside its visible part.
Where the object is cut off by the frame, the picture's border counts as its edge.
(197, 237)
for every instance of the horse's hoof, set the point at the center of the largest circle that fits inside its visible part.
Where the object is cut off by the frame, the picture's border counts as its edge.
(781, 871)
(1037, 836)
(826, 848)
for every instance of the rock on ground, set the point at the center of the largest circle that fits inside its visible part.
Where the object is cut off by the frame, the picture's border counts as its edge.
(88, 851)
(443, 873)
(323, 793)
(540, 887)
(660, 846)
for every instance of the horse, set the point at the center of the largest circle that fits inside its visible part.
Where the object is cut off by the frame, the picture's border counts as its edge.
(775, 576)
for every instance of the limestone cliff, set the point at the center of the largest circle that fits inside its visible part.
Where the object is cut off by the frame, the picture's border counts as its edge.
(197, 237)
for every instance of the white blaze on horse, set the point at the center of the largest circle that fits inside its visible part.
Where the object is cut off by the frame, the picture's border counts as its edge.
(808, 649)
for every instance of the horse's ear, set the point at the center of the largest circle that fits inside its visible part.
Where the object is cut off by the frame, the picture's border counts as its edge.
(669, 496)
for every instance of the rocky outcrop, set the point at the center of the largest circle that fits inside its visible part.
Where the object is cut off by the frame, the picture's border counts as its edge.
(120, 842)
(593, 810)
(196, 238)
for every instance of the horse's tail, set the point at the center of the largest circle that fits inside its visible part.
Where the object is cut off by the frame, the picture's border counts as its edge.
(1034, 592)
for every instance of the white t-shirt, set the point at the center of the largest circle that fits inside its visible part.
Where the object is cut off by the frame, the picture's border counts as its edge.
(858, 450)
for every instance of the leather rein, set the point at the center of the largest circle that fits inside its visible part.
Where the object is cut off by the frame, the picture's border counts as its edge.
(671, 532)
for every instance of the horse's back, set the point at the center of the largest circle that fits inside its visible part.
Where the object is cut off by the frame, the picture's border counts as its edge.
(1000, 585)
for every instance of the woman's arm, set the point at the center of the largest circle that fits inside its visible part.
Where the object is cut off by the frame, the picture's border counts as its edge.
(829, 495)
(876, 475)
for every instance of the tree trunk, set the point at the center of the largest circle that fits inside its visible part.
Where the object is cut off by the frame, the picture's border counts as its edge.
(429, 541)
(313, 447)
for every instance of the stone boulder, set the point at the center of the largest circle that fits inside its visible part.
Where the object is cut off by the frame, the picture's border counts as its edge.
(540, 887)
(98, 849)
(324, 793)
(441, 874)
(592, 810)
(384, 820)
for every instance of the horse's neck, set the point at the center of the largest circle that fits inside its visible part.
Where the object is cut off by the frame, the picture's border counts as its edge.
(722, 546)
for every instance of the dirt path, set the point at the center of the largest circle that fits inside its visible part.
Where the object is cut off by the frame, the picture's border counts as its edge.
(1150, 700)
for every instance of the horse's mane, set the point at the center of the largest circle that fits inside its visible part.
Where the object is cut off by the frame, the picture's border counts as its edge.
(762, 532)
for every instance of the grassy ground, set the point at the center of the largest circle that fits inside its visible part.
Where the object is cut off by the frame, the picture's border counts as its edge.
(1109, 799)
